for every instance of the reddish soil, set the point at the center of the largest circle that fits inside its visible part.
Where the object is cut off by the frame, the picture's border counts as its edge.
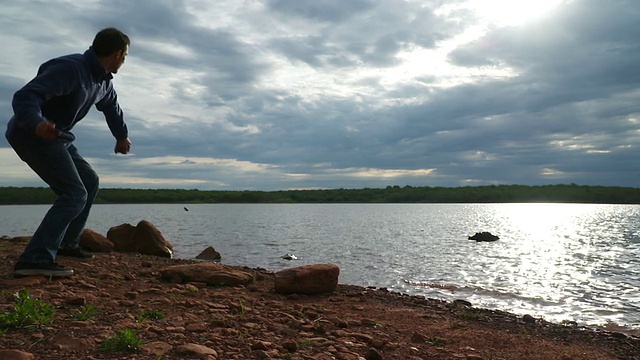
(254, 322)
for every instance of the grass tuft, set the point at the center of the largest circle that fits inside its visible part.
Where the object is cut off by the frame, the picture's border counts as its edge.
(85, 313)
(124, 340)
(150, 315)
(27, 312)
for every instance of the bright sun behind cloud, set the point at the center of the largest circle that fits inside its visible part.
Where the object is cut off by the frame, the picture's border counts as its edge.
(512, 12)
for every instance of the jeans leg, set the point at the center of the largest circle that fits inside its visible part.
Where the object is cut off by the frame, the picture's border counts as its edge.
(53, 162)
(90, 181)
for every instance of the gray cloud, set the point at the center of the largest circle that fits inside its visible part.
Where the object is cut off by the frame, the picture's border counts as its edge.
(287, 94)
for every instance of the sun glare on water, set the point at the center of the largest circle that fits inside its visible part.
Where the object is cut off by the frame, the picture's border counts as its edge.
(512, 12)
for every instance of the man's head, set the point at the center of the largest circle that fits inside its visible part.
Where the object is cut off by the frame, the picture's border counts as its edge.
(112, 47)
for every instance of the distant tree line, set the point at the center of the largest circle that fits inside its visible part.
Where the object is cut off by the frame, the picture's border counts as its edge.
(571, 193)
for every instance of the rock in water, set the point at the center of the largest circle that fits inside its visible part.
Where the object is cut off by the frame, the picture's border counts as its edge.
(483, 236)
(209, 254)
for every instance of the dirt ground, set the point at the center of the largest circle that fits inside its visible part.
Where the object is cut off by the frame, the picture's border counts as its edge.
(118, 291)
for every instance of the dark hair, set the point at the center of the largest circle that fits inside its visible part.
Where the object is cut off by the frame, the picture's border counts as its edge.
(110, 40)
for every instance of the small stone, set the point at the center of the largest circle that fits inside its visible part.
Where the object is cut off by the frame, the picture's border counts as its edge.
(76, 301)
(16, 355)
(198, 285)
(196, 350)
(474, 357)
(373, 354)
(261, 345)
(129, 277)
(157, 348)
(209, 254)
(460, 302)
(418, 338)
(190, 288)
(25, 282)
(127, 303)
(196, 327)
(291, 346)
(362, 337)
(261, 354)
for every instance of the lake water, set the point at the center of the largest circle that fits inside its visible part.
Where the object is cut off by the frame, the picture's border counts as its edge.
(563, 262)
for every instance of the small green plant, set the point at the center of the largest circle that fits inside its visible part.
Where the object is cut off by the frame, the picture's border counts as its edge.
(372, 324)
(305, 344)
(150, 315)
(26, 312)
(125, 340)
(85, 313)
(299, 311)
(436, 341)
(175, 296)
(240, 308)
(191, 290)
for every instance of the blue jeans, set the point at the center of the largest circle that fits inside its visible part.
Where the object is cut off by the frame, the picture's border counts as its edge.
(58, 163)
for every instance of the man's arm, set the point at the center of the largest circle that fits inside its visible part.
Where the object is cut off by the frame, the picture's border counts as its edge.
(115, 120)
(109, 106)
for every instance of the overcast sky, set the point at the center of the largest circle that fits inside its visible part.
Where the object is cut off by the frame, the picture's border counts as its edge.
(293, 94)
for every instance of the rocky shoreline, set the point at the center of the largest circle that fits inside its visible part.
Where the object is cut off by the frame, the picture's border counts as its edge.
(176, 318)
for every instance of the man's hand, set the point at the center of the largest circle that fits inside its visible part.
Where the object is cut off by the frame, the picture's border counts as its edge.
(122, 146)
(47, 130)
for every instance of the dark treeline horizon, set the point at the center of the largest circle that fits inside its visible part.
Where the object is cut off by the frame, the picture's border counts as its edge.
(561, 193)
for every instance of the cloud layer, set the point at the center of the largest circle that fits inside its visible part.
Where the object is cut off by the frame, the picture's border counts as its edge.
(288, 94)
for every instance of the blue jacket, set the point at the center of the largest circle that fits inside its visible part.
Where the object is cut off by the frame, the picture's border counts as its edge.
(63, 91)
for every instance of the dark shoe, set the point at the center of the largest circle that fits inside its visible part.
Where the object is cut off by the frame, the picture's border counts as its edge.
(44, 269)
(76, 253)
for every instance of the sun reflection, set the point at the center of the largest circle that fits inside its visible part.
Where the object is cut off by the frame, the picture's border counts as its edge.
(542, 249)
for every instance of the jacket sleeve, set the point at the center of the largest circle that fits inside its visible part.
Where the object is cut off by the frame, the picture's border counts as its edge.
(52, 80)
(109, 106)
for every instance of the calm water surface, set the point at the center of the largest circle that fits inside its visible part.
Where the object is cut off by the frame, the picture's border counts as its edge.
(572, 262)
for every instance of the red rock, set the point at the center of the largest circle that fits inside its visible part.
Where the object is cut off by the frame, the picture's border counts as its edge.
(209, 254)
(120, 236)
(20, 239)
(157, 348)
(25, 282)
(93, 241)
(308, 279)
(148, 240)
(15, 355)
(76, 301)
(210, 273)
(144, 238)
(261, 345)
(196, 350)
(66, 342)
(196, 327)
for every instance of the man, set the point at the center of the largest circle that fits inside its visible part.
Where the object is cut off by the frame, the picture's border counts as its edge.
(45, 111)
